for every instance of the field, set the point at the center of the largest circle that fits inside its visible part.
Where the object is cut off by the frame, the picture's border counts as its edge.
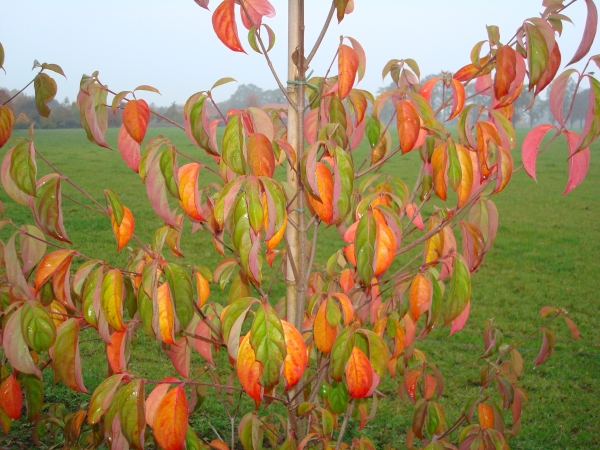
(546, 253)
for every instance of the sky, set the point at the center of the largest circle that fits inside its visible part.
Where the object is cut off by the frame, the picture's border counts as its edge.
(170, 44)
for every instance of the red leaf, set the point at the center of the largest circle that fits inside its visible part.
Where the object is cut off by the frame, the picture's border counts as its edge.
(579, 162)
(557, 95)
(171, 420)
(296, 357)
(136, 115)
(589, 32)
(6, 124)
(409, 125)
(547, 346)
(47, 207)
(257, 9)
(531, 145)
(249, 370)
(11, 399)
(427, 88)
(115, 351)
(129, 149)
(347, 67)
(180, 355)
(458, 323)
(572, 327)
(473, 245)
(223, 21)
(362, 59)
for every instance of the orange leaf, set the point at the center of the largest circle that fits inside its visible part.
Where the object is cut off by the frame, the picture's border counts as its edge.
(124, 232)
(166, 318)
(410, 384)
(249, 370)
(430, 385)
(296, 357)
(346, 280)
(323, 209)
(171, 420)
(115, 352)
(486, 415)
(409, 125)
(385, 247)
(11, 399)
(439, 162)
(466, 181)
(278, 236)
(427, 88)
(203, 289)
(434, 247)
(458, 96)
(261, 158)
(218, 444)
(359, 374)
(349, 254)
(223, 21)
(155, 398)
(188, 191)
(136, 116)
(49, 264)
(324, 333)
(347, 68)
(111, 299)
(420, 295)
(506, 70)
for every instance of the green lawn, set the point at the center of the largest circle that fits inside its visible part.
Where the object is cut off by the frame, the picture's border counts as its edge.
(546, 253)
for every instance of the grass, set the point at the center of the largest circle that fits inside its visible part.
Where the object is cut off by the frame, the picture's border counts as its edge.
(546, 253)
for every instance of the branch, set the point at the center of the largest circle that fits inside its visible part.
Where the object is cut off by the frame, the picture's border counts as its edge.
(344, 424)
(313, 52)
(17, 94)
(312, 252)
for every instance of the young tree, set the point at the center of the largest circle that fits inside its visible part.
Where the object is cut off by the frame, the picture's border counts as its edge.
(318, 355)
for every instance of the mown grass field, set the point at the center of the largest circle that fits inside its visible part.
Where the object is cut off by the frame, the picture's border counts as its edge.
(546, 253)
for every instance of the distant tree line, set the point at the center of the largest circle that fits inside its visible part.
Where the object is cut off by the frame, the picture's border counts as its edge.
(65, 114)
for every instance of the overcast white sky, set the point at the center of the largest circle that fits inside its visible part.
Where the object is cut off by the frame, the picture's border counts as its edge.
(170, 44)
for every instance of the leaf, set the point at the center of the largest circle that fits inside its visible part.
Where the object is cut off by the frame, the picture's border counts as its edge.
(324, 206)
(37, 326)
(33, 247)
(169, 170)
(111, 300)
(165, 324)
(421, 292)
(156, 397)
(231, 323)
(459, 323)
(202, 3)
(223, 21)
(261, 159)
(591, 128)
(15, 348)
(7, 182)
(409, 125)
(454, 166)
(359, 374)
(384, 248)
(485, 414)
(506, 64)
(340, 353)
(124, 231)
(579, 162)
(11, 399)
(180, 355)
(156, 188)
(572, 327)
(347, 68)
(473, 246)
(364, 244)
(54, 68)
(136, 116)
(6, 121)
(458, 99)
(189, 197)
(324, 333)
(362, 58)
(65, 356)
(249, 370)
(530, 147)
(34, 395)
(145, 87)
(203, 288)
(537, 53)
(268, 341)
(296, 357)
(23, 169)
(102, 397)
(557, 95)
(47, 209)
(129, 149)
(45, 90)
(171, 420)
(459, 293)
(180, 285)
(466, 181)
(484, 215)
(589, 32)
(233, 145)
(93, 113)
(116, 351)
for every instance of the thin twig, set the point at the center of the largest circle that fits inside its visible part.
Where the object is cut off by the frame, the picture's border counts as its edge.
(17, 94)
(349, 411)
(82, 204)
(313, 52)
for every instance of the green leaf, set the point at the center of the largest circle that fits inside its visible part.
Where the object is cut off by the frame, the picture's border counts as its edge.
(113, 200)
(460, 290)
(267, 340)
(344, 172)
(252, 40)
(91, 290)
(364, 247)
(2, 57)
(38, 327)
(45, 90)
(537, 54)
(23, 169)
(233, 143)
(222, 81)
(338, 397)
(340, 353)
(65, 356)
(231, 324)
(47, 210)
(54, 68)
(34, 394)
(131, 413)
(373, 130)
(168, 167)
(337, 115)
(182, 293)
(454, 169)
(145, 87)
(102, 397)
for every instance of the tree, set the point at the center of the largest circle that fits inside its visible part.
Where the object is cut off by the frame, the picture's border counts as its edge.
(321, 352)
